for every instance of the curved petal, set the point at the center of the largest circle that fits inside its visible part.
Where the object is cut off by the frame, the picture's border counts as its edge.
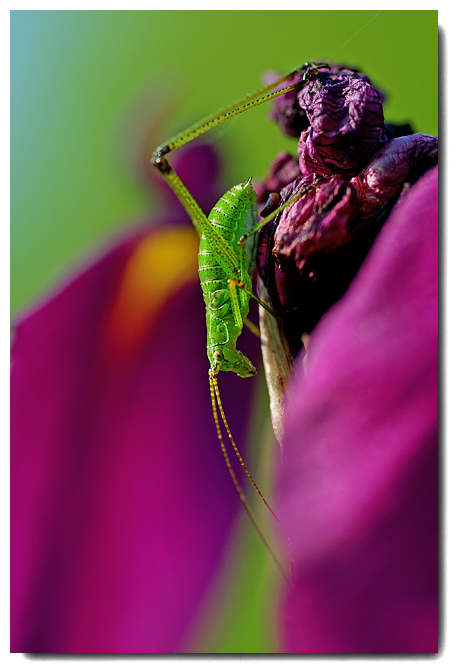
(121, 501)
(358, 488)
(346, 122)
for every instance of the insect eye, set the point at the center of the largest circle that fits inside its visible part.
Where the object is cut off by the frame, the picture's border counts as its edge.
(218, 356)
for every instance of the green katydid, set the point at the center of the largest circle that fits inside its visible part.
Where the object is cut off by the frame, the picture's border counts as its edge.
(227, 255)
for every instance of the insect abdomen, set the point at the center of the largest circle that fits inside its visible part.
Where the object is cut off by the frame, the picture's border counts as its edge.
(233, 216)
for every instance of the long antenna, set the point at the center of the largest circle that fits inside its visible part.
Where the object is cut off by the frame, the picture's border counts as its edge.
(355, 34)
(214, 391)
(237, 452)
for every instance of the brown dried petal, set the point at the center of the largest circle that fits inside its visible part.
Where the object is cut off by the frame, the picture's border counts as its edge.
(402, 160)
(287, 110)
(316, 225)
(282, 171)
(347, 123)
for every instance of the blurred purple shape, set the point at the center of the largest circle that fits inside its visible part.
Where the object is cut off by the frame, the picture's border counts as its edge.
(358, 485)
(121, 503)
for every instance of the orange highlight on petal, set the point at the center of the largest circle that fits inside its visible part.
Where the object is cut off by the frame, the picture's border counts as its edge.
(164, 261)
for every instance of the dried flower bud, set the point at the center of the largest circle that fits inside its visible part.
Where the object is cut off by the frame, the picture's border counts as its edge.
(346, 123)
(287, 110)
(313, 250)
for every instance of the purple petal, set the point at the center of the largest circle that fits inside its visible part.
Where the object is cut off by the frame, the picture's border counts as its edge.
(358, 487)
(282, 171)
(309, 228)
(399, 162)
(321, 240)
(121, 500)
(287, 111)
(347, 123)
(198, 166)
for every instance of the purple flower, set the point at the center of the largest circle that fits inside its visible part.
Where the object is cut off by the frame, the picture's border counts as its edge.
(358, 479)
(357, 484)
(318, 244)
(121, 502)
(122, 507)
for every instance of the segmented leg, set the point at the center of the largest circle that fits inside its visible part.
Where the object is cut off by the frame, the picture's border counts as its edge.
(282, 207)
(252, 327)
(236, 282)
(233, 284)
(247, 102)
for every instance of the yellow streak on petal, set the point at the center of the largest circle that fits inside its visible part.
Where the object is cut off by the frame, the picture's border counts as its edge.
(164, 261)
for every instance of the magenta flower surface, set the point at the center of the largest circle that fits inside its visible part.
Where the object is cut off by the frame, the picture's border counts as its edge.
(357, 486)
(121, 502)
(358, 479)
(121, 515)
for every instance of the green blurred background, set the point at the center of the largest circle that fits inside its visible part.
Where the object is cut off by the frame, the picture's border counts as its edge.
(84, 82)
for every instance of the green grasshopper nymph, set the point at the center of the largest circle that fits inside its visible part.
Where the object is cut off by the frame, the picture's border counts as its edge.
(227, 255)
